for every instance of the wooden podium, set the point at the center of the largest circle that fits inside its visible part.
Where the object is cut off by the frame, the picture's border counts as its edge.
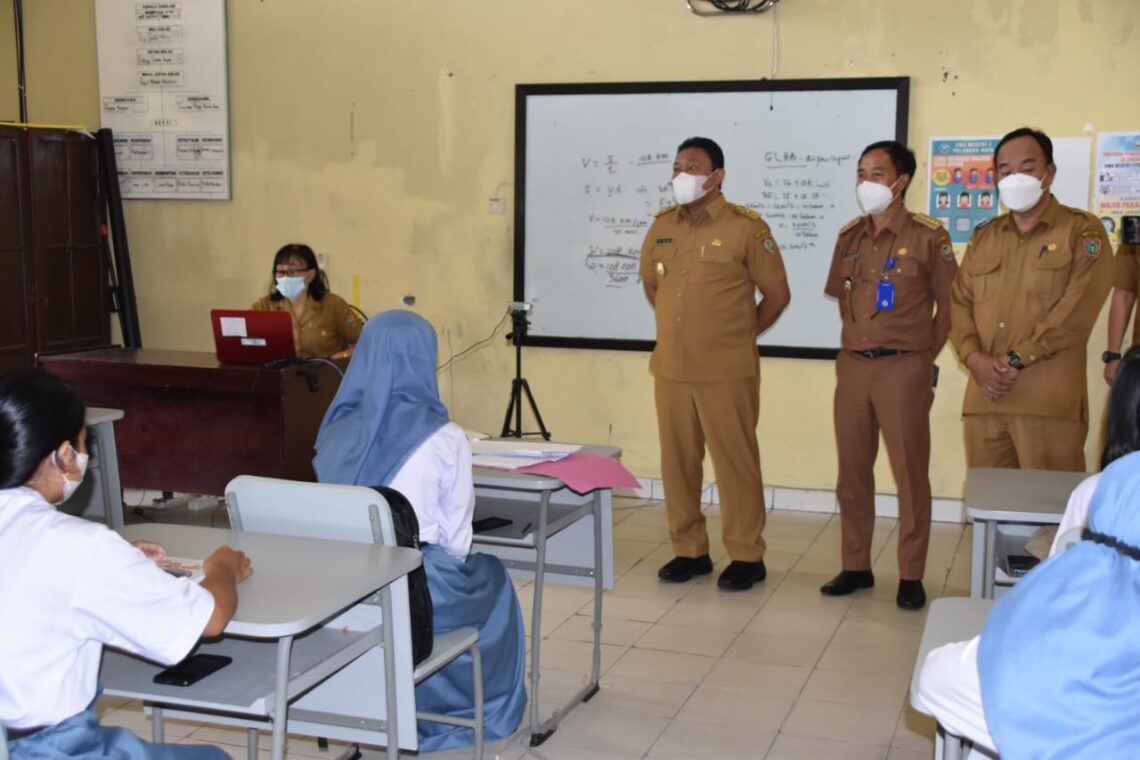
(192, 424)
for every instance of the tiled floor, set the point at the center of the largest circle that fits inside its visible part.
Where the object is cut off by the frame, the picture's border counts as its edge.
(689, 671)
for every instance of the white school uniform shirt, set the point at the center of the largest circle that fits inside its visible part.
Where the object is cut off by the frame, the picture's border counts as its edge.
(437, 481)
(1076, 517)
(67, 587)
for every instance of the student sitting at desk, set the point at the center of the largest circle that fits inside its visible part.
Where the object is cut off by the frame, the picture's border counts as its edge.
(68, 587)
(1054, 673)
(323, 323)
(387, 426)
(1121, 436)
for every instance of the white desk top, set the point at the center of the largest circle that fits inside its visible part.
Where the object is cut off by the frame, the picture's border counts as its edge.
(296, 582)
(96, 415)
(489, 477)
(949, 619)
(1013, 495)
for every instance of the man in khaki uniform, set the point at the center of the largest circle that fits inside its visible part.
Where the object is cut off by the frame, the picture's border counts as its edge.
(1030, 287)
(1125, 284)
(890, 269)
(701, 264)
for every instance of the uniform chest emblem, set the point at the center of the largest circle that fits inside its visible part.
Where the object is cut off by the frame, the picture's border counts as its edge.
(902, 252)
(660, 268)
(664, 241)
(716, 242)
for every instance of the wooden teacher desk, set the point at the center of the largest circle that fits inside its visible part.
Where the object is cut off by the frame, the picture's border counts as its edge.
(192, 424)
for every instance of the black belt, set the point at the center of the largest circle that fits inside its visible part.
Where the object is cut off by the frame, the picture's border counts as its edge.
(21, 733)
(875, 353)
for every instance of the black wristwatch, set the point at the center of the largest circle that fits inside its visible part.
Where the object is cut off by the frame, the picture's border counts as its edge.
(1015, 360)
(1109, 356)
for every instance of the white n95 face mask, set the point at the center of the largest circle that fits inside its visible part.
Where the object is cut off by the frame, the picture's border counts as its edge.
(71, 486)
(290, 287)
(873, 197)
(689, 187)
(1019, 192)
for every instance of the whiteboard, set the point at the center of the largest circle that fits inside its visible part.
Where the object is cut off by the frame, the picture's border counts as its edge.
(163, 93)
(593, 166)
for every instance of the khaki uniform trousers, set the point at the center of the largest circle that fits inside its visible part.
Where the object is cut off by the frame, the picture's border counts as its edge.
(892, 394)
(1026, 441)
(724, 415)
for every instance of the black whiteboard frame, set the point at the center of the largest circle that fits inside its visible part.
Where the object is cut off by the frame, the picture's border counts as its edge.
(900, 85)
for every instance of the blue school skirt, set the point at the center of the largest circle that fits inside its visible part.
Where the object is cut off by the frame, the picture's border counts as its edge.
(475, 592)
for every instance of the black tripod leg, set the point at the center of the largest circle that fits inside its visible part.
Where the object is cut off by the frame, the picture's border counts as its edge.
(515, 401)
(534, 408)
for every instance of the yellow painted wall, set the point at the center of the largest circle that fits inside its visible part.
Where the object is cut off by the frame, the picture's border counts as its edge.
(376, 130)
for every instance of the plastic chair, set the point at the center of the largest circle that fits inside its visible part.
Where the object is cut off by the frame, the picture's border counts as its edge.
(355, 513)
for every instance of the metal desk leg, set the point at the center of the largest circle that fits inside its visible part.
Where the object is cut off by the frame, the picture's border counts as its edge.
(389, 637)
(596, 670)
(537, 734)
(978, 558)
(281, 697)
(989, 561)
(109, 475)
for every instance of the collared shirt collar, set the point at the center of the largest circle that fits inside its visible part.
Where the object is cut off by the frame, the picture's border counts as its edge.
(710, 210)
(1050, 217)
(895, 222)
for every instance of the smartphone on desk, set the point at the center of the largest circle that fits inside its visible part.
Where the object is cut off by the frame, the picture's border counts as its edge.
(192, 669)
(485, 524)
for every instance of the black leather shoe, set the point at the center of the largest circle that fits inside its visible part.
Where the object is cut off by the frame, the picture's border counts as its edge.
(847, 582)
(911, 596)
(740, 576)
(681, 569)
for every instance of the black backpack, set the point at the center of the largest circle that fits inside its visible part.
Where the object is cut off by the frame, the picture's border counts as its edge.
(407, 529)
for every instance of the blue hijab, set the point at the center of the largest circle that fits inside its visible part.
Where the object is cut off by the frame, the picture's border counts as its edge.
(388, 403)
(1059, 657)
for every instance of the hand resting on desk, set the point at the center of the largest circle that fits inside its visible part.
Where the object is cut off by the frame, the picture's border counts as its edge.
(225, 568)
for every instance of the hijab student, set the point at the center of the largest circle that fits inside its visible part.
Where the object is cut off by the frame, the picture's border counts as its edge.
(388, 427)
(324, 325)
(950, 680)
(69, 586)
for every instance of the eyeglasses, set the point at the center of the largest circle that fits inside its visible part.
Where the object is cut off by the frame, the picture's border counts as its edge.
(290, 272)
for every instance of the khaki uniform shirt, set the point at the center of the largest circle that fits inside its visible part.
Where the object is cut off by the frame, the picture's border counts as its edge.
(706, 267)
(325, 327)
(1037, 293)
(922, 273)
(1126, 276)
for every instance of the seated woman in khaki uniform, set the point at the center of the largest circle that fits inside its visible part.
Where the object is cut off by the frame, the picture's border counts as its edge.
(323, 322)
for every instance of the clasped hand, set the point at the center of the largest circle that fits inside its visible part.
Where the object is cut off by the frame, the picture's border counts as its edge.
(993, 375)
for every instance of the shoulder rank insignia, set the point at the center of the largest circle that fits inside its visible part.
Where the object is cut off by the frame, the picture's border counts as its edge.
(927, 221)
(751, 213)
(665, 210)
(850, 225)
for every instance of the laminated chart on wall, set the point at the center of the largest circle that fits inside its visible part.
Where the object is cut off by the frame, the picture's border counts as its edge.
(1117, 179)
(163, 92)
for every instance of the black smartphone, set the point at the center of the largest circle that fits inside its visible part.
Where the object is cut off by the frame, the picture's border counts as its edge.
(1130, 230)
(485, 524)
(193, 669)
(1020, 564)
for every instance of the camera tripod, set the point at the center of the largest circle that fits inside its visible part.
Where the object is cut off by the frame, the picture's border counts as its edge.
(519, 385)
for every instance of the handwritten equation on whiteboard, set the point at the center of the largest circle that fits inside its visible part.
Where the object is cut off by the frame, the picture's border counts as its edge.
(163, 92)
(794, 192)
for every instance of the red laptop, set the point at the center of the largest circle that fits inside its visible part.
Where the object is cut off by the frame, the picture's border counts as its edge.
(252, 337)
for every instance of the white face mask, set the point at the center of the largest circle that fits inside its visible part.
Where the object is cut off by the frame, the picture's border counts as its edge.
(874, 198)
(689, 187)
(1020, 192)
(290, 287)
(71, 486)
